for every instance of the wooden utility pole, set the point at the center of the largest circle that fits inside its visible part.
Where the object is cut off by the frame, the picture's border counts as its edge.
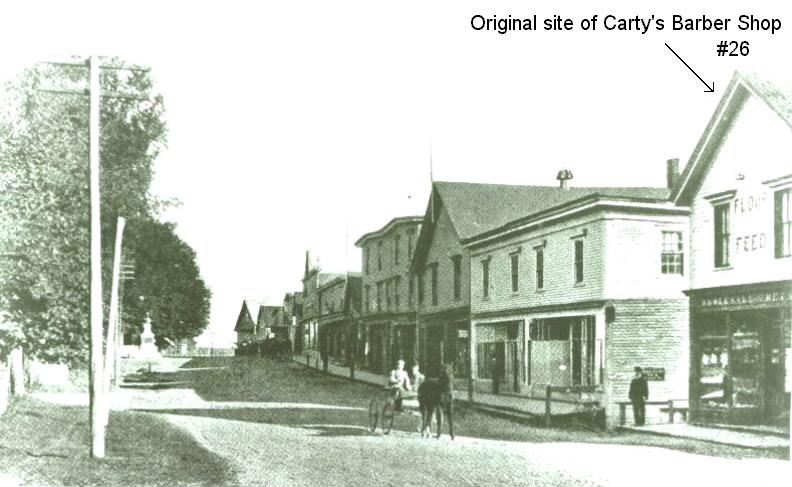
(112, 322)
(96, 335)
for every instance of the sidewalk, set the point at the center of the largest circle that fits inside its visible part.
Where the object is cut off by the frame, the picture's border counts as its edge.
(721, 436)
(506, 403)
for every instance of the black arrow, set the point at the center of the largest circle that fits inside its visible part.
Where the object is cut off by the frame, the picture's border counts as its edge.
(709, 89)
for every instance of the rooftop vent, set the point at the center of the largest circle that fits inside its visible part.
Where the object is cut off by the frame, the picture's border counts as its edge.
(564, 175)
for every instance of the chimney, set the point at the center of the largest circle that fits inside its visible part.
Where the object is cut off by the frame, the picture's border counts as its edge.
(672, 173)
(564, 175)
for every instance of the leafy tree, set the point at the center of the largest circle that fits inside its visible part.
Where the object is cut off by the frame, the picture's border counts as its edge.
(167, 285)
(44, 202)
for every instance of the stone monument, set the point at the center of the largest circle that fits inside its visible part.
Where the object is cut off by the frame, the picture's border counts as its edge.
(148, 345)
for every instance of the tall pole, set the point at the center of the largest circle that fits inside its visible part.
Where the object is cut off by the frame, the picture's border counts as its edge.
(96, 399)
(112, 321)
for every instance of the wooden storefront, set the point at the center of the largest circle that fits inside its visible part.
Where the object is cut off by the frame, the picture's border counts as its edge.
(740, 354)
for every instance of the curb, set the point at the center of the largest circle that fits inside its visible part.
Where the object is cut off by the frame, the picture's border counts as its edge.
(622, 429)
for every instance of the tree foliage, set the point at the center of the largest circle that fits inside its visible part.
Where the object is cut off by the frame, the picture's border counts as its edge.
(44, 197)
(167, 285)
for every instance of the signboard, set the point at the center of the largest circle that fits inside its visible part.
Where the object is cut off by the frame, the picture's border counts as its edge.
(462, 333)
(748, 299)
(654, 373)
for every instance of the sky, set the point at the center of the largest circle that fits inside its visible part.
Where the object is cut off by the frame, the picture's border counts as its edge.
(302, 125)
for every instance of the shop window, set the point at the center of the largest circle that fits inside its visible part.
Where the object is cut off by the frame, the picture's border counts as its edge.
(539, 268)
(783, 223)
(578, 261)
(457, 262)
(713, 358)
(672, 257)
(515, 272)
(722, 234)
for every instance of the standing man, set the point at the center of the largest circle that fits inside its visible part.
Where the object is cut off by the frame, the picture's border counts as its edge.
(639, 393)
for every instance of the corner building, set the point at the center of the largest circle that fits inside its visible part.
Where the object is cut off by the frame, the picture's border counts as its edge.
(738, 183)
(575, 286)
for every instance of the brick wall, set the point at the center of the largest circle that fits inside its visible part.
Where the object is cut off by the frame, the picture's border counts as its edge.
(646, 333)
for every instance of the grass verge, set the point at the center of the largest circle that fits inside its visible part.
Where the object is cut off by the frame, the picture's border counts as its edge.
(45, 444)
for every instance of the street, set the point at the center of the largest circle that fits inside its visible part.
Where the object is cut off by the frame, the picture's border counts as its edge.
(282, 424)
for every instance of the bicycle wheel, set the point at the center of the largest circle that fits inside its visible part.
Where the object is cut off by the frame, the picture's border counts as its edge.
(387, 417)
(373, 414)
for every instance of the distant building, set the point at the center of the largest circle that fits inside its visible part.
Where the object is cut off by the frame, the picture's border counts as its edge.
(245, 327)
(738, 183)
(308, 332)
(387, 330)
(291, 316)
(339, 310)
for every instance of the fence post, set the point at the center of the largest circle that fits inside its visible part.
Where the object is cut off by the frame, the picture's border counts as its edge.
(547, 405)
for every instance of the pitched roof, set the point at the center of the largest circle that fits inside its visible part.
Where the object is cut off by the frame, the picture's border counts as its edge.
(777, 96)
(479, 208)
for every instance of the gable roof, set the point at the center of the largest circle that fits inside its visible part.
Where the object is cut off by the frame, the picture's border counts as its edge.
(245, 321)
(267, 315)
(476, 209)
(778, 98)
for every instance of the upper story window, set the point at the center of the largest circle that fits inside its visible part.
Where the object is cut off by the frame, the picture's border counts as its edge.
(421, 288)
(396, 291)
(722, 234)
(672, 256)
(515, 272)
(783, 223)
(485, 281)
(387, 295)
(410, 290)
(368, 297)
(366, 255)
(434, 284)
(396, 242)
(578, 261)
(539, 267)
(379, 255)
(409, 245)
(379, 296)
(457, 263)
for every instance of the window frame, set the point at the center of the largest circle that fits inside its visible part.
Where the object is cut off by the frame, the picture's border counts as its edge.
(672, 260)
(579, 261)
(539, 271)
(722, 239)
(782, 224)
(434, 284)
(485, 278)
(514, 259)
(457, 278)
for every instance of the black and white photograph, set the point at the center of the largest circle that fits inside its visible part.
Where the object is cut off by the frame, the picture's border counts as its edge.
(357, 243)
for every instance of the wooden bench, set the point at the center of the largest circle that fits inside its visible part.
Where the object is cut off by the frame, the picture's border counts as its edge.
(672, 409)
(623, 408)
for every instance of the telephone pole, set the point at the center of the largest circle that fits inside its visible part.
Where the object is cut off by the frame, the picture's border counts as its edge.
(97, 365)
